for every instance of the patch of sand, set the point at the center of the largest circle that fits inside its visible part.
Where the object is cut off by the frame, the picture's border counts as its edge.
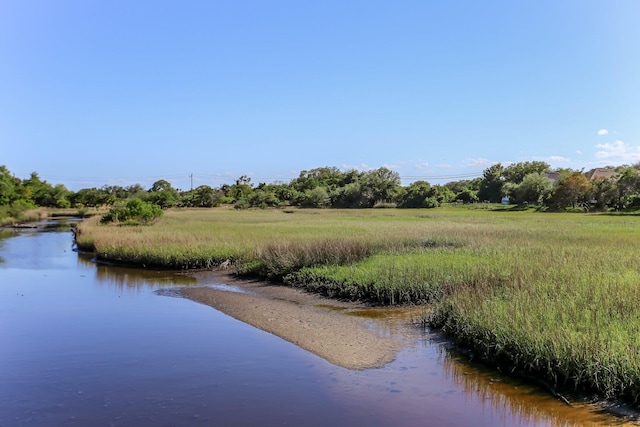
(319, 325)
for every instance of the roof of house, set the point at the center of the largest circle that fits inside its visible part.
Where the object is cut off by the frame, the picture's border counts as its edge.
(553, 175)
(600, 173)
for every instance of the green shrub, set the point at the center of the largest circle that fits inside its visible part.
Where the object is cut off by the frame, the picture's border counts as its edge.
(242, 204)
(135, 211)
(431, 202)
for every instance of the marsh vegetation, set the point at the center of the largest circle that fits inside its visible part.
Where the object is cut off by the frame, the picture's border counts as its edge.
(551, 295)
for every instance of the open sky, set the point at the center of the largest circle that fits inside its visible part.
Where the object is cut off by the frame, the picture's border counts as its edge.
(117, 92)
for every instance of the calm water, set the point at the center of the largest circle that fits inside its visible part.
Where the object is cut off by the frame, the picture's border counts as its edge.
(84, 344)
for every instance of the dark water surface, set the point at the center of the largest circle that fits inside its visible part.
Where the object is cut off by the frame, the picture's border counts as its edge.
(92, 345)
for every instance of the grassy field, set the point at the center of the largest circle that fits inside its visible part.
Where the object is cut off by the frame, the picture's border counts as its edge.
(554, 295)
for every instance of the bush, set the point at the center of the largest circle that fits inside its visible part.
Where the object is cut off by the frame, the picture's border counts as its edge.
(241, 204)
(134, 211)
(431, 202)
(18, 208)
(632, 202)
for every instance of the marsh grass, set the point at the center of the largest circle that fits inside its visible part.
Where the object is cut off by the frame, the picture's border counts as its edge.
(553, 295)
(269, 243)
(9, 216)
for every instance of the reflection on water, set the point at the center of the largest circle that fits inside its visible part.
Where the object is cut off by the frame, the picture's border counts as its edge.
(5, 234)
(86, 344)
(124, 277)
(530, 403)
(435, 372)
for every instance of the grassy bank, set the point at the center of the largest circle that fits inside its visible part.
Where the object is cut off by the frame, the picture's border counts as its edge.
(554, 295)
(9, 217)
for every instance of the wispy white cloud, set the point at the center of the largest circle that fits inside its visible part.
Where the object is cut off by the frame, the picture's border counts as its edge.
(399, 165)
(444, 166)
(603, 132)
(479, 162)
(618, 151)
(558, 159)
(579, 152)
(360, 167)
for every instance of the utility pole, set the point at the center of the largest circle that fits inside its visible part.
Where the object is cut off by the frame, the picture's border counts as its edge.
(191, 192)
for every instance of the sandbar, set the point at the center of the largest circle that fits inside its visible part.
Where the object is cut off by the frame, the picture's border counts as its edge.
(322, 326)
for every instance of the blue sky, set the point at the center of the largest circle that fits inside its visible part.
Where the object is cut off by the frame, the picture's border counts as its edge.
(121, 92)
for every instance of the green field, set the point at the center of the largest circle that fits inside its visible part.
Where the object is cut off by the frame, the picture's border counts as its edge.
(555, 295)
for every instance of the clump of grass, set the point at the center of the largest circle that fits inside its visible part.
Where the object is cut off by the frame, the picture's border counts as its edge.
(404, 278)
(278, 259)
(421, 319)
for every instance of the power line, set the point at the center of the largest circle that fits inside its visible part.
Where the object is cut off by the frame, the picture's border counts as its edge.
(227, 178)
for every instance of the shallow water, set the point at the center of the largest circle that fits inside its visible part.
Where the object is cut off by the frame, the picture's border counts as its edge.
(85, 344)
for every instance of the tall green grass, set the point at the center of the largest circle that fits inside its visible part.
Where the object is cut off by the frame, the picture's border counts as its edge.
(575, 321)
(418, 276)
(555, 295)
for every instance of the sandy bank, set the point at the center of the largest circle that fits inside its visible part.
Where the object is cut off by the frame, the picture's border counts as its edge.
(319, 325)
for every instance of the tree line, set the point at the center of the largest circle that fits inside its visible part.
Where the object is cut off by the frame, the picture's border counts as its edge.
(524, 183)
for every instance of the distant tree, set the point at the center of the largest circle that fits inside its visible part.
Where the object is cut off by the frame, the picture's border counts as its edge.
(564, 173)
(491, 184)
(459, 186)
(131, 191)
(115, 192)
(349, 196)
(161, 185)
(508, 190)
(205, 197)
(627, 185)
(163, 194)
(380, 185)
(263, 198)
(467, 195)
(272, 195)
(465, 191)
(443, 194)
(61, 196)
(328, 177)
(516, 172)
(9, 187)
(315, 198)
(283, 192)
(165, 199)
(241, 189)
(605, 194)
(415, 195)
(535, 188)
(573, 191)
(41, 193)
(88, 197)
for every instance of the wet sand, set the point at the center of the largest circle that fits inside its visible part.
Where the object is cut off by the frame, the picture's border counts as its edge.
(319, 325)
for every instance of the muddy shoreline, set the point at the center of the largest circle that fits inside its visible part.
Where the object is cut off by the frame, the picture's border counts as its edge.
(325, 327)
